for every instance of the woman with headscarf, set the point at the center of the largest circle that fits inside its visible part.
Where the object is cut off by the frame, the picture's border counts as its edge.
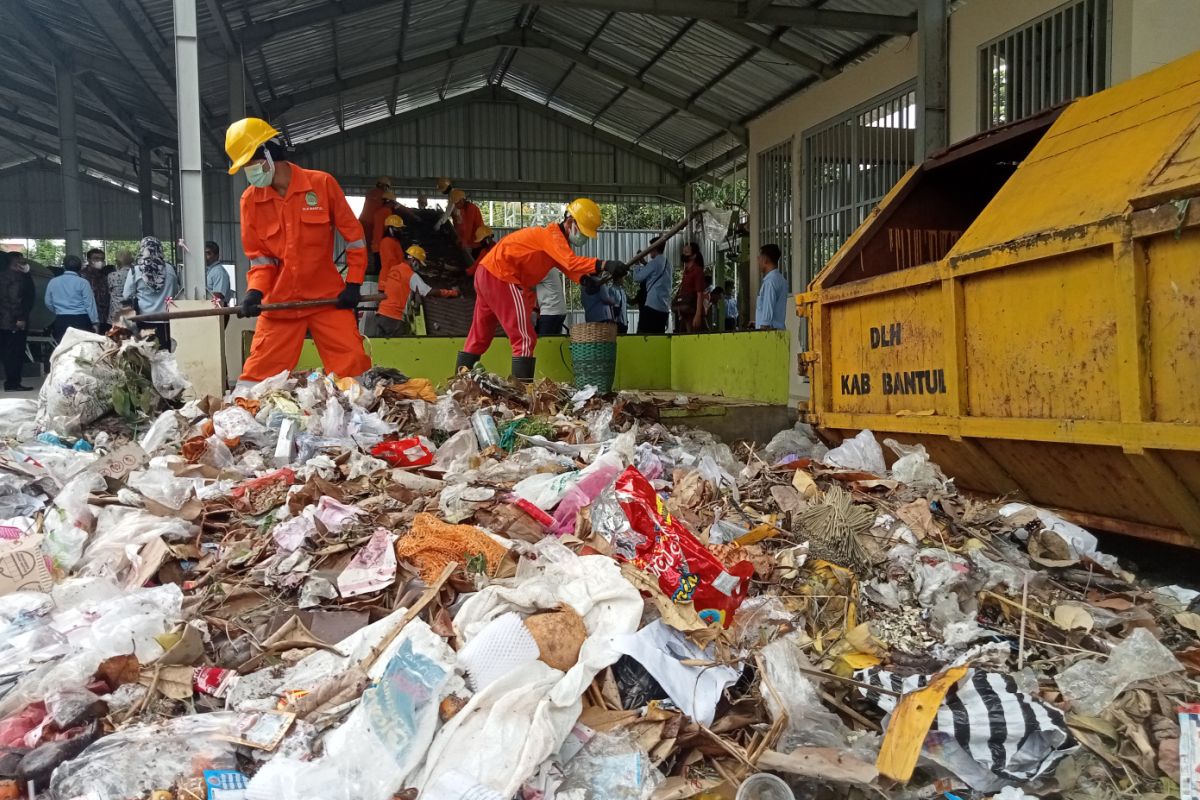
(151, 283)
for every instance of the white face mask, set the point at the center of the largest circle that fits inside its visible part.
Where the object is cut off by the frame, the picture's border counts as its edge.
(576, 236)
(261, 175)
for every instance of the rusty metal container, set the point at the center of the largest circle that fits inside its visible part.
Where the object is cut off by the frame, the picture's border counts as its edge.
(1027, 305)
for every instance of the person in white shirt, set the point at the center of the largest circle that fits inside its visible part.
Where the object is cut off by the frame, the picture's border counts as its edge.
(552, 304)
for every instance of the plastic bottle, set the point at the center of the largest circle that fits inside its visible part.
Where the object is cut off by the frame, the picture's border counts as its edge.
(484, 427)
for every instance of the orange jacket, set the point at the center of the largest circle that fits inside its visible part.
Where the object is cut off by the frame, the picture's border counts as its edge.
(470, 219)
(377, 226)
(372, 202)
(395, 278)
(526, 256)
(289, 240)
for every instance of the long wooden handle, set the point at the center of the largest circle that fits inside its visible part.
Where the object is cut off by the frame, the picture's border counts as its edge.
(230, 311)
(661, 240)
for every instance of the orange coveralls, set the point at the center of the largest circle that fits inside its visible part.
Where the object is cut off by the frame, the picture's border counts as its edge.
(371, 204)
(289, 241)
(377, 227)
(504, 285)
(470, 219)
(395, 278)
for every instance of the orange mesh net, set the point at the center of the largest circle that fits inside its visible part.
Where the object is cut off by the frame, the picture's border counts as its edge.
(432, 544)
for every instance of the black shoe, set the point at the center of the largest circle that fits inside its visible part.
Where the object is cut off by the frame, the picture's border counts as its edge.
(465, 359)
(18, 388)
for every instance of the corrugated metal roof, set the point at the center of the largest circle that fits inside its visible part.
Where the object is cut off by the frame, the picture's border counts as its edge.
(309, 46)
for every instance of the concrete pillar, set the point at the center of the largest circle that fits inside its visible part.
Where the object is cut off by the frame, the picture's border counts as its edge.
(933, 76)
(191, 164)
(146, 188)
(69, 159)
(236, 184)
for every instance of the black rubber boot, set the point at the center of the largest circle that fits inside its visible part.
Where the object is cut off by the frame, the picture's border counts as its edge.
(465, 359)
(522, 368)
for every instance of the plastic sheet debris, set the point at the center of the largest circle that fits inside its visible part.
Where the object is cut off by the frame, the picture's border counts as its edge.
(860, 453)
(609, 767)
(1091, 685)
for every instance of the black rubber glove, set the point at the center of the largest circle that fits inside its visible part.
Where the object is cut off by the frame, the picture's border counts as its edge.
(590, 284)
(251, 304)
(616, 269)
(350, 296)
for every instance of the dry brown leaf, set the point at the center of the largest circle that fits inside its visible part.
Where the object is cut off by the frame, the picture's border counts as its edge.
(1071, 618)
(1186, 619)
(805, 485)
(917, 516)
(860, 638)
(119, 670)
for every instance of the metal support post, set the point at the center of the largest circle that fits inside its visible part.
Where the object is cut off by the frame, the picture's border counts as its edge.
(69, 159)
(146, 187)
(237, 88)
(933, 77)
(191, 163)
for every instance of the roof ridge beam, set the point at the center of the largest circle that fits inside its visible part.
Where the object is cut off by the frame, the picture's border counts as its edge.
(792, 16)
(772, 44)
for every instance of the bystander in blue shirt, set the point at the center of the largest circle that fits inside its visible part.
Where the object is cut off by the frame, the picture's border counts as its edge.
(598, 306)
(656, 275)
(70, 295)
(770, 313)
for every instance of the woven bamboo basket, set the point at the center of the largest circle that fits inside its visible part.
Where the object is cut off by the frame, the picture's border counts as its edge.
(594, 355)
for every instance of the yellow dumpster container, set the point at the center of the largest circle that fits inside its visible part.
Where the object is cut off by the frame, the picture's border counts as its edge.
(1027, 305)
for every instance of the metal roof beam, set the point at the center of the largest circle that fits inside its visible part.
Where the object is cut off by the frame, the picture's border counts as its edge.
(502, 95)
(792, 16)
(26, 121)
(632, 81)
(772, 44)
(436, 58)
(254, 35)
(84, 110)
(233, 48)
(731, 156)
(53, 150)
(668, 191)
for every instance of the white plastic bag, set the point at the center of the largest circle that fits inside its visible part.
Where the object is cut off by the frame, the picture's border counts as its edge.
(79, 388)
(862, 453)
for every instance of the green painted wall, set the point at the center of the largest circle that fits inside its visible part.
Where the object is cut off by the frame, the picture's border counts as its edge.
(752, 365)
(749, 366)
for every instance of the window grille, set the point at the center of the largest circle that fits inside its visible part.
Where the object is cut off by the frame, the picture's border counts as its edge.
(775, 201)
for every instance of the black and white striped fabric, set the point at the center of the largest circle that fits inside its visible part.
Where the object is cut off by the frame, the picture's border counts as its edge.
(1014, 736)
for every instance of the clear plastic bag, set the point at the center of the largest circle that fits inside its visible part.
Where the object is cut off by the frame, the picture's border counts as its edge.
(795, 694)
(799, 441)
(862, 453)
(69, 522)
(448, 415)
(168, 380)
(18, 419)
(163, 486)
(121, 532)
(610, 766)
(1092, 685)
(913, 466)
(166, 429)
(139, 759)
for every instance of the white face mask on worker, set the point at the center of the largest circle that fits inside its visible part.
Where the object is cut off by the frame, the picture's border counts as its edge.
(576, 236)
(261, 175)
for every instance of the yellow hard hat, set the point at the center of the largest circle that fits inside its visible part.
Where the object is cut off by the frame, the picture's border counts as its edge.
(384, 180)
(244, 137)
(587, 214)
(389, 196)
(456, 195)
(444, 185)
(481, 233)
(393, 221)
(417, 252)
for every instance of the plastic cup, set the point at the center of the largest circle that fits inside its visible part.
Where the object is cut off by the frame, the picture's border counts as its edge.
(764, 786)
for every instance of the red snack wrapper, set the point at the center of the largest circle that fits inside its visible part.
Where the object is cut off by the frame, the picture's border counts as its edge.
(410, 452)
(660, 545)
(215, 681)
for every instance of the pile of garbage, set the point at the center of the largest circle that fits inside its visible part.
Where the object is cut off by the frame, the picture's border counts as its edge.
(372, 590)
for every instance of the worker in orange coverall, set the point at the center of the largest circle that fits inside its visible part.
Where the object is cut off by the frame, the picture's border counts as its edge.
(387, 208)
(398, 279)
(485, 240)
(371, 203)
(506, 277)
(467, 219)
(288, 218)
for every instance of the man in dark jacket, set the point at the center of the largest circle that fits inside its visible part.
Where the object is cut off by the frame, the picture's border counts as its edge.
(16, 301)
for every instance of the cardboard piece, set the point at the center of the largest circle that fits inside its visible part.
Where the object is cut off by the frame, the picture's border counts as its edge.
(120, 462)
(23, 567)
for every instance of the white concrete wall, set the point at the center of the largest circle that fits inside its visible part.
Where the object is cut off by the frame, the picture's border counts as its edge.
(1145, 34)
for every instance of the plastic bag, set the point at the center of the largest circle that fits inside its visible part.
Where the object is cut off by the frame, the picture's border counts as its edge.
(1081, 542)
(1092, 685)
(14, 500)
(165, 375)
(661, 546)
(810, 724)
(455, 453)
(120, 534)
(163, 486)
(544, 489)
(404, 453)
(165, 429)
(610, 766)
(18, 419)
(593, 479)
(134, 761)
(913, 467)
(448, 415)
(862, 453)
(69, 522)
(79, 388)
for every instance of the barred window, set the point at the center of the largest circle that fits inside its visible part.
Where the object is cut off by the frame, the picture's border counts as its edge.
(1055, 58)
(850, 163)
(775, 202)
